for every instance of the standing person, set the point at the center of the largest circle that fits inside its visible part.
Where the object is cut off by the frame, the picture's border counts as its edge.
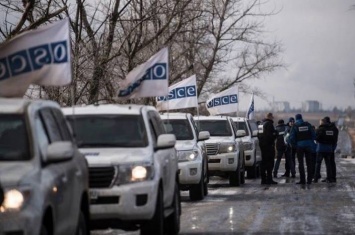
(280, 145)
(302, 136)
(267, 146)
(327, 138)
(290, 153)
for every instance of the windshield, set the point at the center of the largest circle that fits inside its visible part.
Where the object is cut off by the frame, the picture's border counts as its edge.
(107, 131)
(14, 144)
(181, 129)
(241, 126)
(215, 127)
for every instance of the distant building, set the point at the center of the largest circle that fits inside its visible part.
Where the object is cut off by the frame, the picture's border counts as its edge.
(281, 106)
(311, 106)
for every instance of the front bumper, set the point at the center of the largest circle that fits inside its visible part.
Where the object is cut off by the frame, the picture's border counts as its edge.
(24, 222)
(223, 162)
(249, 157)
(190, 172)
(135, 201)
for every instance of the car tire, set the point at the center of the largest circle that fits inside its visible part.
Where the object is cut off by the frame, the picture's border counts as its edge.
(242, 174)
(206, 181)
(197, 191)
(156, 224)
(234, 177)
(172, 222)
(82, 228)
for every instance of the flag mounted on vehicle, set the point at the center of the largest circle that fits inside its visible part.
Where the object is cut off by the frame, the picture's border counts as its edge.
(223, 102)
(181, 95)
(149, 79)
(250, 112)
(40, 56)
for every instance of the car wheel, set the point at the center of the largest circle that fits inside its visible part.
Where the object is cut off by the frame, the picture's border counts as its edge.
(173, 221)
(156, 224)
(205, 184)
(234, 177)
(197, 191)
(242, 174)
(82, 228)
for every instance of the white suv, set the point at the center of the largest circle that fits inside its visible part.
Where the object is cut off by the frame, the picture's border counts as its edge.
(43, 175)
(248, 132)
(192, 154)
(133, 167)
(225, 152)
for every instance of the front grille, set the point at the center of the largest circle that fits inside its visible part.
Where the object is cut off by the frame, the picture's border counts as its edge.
(214, 160)
(212, 149)
(105, 200)
(101, 177)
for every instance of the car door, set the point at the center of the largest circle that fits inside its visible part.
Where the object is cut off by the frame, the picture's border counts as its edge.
(167, 157)
(65, 211)
(254, 127)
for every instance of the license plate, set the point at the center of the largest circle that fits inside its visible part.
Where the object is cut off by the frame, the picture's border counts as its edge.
(94, 194)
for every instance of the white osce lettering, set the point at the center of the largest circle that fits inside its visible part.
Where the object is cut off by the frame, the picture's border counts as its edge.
(179, 94)
(155, 71)
(59, 52)
(233, 99)
(191, 91)
(225, 100)
(40, 53)
(22, 62)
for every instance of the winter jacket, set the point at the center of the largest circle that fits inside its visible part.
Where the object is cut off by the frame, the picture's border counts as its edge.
(280, 143)
(302, 134)
(327, 137)
(267, 138)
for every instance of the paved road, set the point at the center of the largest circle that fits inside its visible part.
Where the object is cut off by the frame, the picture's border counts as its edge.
(286, 208)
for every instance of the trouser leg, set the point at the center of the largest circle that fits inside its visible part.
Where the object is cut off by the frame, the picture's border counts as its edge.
(300, 154)
(319, 160)
(278, 160)
(310, 160)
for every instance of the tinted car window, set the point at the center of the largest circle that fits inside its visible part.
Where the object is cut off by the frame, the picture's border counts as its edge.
(242, 126)
(51, 125)
(216, 127)
(181, 129)
(253, 126)
(109, 130)
(14, 144)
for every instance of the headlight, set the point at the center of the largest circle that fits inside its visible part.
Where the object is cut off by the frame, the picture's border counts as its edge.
(247, 145)
(131, 173)
(227, 147)
(14, 199)
(189, 155)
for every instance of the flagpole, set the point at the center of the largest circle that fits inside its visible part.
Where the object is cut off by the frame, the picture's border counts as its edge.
(238, 101)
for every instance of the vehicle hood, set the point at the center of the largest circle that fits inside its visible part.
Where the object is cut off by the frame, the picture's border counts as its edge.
(12, 173)
(246, 139)
(220, 139)
(114, 156)
(185, 145)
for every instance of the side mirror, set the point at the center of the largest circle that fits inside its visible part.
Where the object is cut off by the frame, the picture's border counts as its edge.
(241, 133)
(166, 141)
(203, 135)
(60, 151)
(255, 133)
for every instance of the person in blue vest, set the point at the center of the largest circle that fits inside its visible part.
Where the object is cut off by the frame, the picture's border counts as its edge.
(327, 138)
(302, 136)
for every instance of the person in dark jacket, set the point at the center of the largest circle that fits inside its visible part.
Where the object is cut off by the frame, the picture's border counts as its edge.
(280, 145)
(290, 153)
(267, 146)
(327, 138)
(302, 136)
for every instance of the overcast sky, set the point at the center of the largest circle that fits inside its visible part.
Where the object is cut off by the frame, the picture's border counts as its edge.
(318, 38)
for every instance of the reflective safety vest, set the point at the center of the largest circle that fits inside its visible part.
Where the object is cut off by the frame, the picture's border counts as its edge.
(303, 131)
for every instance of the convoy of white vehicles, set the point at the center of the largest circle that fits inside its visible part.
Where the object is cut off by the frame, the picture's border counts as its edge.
(118, 166)
(191, 151)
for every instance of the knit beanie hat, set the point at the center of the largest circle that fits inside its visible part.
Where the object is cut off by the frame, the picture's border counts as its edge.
(298, 116)
(291, 119)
